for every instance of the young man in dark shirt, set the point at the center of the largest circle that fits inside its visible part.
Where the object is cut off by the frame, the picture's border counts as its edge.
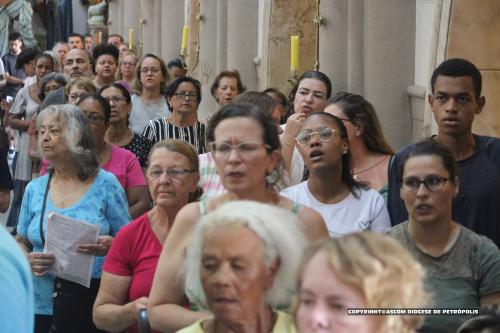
(455, 101)
(14, 77)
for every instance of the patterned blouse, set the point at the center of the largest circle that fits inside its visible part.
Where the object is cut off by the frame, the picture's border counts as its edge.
(161, 129)
(140, 146)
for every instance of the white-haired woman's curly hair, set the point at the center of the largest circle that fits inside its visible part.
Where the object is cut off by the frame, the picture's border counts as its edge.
(281, 240)
(78, 136)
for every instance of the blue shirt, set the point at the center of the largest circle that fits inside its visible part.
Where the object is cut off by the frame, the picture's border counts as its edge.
(104, 204)
(16, 288)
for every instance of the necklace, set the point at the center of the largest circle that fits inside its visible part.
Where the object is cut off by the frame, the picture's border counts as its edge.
(355, 174)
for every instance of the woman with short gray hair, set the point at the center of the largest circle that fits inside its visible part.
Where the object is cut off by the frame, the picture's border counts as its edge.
(75, 187)
(242, 265)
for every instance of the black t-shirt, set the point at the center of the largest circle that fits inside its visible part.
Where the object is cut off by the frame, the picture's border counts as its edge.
(9, 63)
(477, 206)
(5, 176)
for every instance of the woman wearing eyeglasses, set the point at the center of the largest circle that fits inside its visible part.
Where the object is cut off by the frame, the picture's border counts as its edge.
(151, 77)
(118, 131)
(120, 162)
(309, 95)
(183, 98)
(77, 88)
(246, 149)
(346, 205)
(131, 262)
(462, 267)
(126, 69)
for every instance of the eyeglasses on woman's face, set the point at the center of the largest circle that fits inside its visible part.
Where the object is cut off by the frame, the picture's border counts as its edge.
(246, 150)
(184, 95)
(324, 133)
(176, 174)
(129, 63)
(433, 183)
(152, 70)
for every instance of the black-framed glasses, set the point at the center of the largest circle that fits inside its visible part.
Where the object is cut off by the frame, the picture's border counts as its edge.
(324, 133)
(115, 99)
(184, 95)
(433, 183)
(176, 174)
(94, 118)
(245, 150)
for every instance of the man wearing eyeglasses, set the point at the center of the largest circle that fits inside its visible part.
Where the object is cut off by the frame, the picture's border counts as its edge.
(456, 99)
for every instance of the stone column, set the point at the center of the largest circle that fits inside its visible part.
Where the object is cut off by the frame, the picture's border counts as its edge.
(152, 26)
(124, 15)
(242, 39)
(221, 37)
(289, 18)
(389, 64)
(170, 22)
(333, 41)
(355, 47)
(210, 48)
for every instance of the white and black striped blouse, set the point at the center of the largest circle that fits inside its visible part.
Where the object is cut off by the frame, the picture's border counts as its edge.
(161, 129)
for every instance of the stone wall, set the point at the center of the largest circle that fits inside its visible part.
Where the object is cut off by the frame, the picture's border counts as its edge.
(366, 46)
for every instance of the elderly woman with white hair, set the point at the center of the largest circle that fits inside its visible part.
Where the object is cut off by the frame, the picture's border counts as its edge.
(76, 187)
(242, 265)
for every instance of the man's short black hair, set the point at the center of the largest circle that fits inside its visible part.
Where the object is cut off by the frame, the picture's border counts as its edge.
(177, 62)
(76, 35)
(15, 36)
(458, 67)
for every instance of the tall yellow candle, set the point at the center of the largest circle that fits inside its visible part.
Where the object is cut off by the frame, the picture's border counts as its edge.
(294, 54)
(185, 33)
(130, 39)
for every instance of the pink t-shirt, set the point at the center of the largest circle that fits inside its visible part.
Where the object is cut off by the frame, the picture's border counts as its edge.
(122, 163)
(125, 166)
(135, 252)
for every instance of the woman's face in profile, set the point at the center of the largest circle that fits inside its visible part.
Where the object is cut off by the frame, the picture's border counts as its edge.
(52, 138)
(324, 301)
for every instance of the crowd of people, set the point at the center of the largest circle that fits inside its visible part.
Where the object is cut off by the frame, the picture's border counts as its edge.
(274, 214)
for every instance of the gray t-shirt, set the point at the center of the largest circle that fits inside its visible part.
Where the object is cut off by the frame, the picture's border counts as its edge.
(142, 112)
(25, 107)
(458, 278)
